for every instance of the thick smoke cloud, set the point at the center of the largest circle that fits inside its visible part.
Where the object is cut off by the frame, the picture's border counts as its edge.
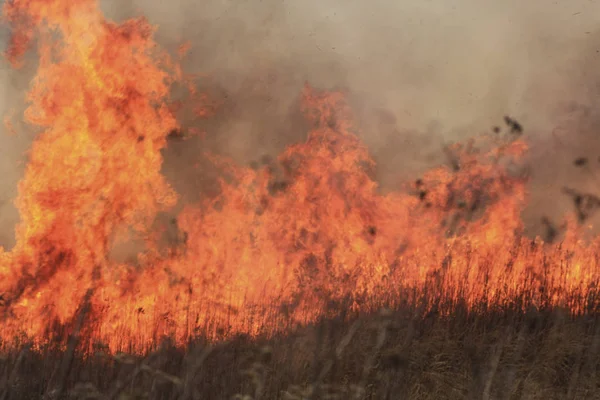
(420, 74)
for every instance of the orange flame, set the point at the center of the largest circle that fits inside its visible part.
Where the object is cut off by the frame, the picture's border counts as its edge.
(95, 168)
(278, 246)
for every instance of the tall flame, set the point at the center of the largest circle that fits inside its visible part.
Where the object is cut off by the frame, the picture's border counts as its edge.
(100, 99)
(279, 245)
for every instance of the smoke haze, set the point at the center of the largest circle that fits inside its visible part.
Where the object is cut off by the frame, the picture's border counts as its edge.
(420, 74)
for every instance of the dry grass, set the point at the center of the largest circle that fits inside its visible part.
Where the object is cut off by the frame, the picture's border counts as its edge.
(398, 354)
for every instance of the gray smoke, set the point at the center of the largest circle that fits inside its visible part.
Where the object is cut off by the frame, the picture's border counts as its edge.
(420, 74)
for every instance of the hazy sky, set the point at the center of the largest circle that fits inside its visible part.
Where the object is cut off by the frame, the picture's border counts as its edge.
(420, 73)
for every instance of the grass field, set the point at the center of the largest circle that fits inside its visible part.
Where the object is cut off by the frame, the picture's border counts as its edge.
(401, 354)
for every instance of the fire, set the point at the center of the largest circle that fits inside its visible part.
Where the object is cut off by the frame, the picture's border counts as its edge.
(99, 98)
(279, 245)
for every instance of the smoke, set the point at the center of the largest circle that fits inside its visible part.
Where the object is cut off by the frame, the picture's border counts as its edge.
(420, 74)
(15, 137)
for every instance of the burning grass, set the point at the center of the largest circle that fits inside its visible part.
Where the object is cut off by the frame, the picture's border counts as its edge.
(408, 354)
